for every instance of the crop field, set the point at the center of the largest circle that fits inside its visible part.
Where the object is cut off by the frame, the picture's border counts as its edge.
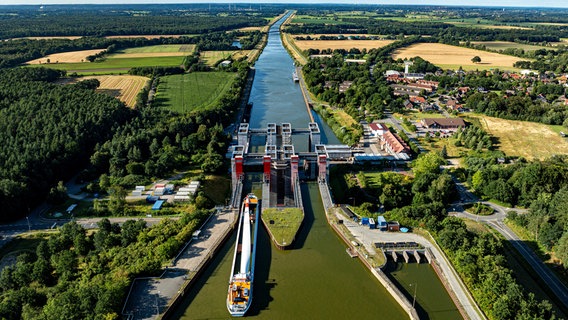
(49, 38)
(196, 90)
(502, 45)
(125, 88)
(66, 57)
(447, 56)
(116, 65)
(165, 48)
(527, 139)
(341, 44)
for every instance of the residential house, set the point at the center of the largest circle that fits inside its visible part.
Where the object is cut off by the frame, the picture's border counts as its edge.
(443, 123)
(394, 144)
(378, 129)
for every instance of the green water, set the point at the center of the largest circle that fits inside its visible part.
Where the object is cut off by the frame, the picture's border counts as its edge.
(432, 300)
(314, 280)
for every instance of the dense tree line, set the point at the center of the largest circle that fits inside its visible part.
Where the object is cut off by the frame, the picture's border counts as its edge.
(520, 107)
(540, 186)
(556, 61)
(75, 275)
(48, 132)
(103, 23)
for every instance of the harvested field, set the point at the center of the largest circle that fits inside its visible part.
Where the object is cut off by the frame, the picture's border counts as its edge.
(341, 44)
(527, 139)
(66, 57)
(245, 29)
(124, 88)
(444, 55)
(49, 38)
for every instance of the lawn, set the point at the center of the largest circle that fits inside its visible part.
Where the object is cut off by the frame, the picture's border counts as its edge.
(283, 224)
(530, 140)
(447, 56)
(211, 58)
(22, 243)
(116, 65)
(196, 90)
(217, 189)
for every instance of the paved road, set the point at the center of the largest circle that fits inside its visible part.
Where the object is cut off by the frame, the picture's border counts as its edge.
(367, 237)
(150, 297)
(496, 222)
(553, 283)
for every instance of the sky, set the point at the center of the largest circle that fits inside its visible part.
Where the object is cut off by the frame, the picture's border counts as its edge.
(494, 3)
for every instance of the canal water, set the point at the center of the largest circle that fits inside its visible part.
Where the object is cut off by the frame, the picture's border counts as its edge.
(316, 279)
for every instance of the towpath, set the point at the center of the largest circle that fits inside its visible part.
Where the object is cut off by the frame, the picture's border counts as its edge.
(149, 297)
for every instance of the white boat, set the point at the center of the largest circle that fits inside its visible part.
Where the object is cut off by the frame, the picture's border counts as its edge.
(295, 77)
(239, 295)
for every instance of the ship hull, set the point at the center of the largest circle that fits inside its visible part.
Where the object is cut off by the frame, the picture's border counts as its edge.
(239, 295)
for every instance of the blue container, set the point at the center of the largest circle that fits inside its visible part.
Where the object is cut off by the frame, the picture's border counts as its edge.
(364, 221)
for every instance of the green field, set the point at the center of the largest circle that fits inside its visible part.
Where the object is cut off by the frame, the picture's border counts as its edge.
(502, 45)
(114, 65)
(283, 224)
(161, 48)
(196, 90)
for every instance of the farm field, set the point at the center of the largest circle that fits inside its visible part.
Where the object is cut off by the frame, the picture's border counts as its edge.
(116, 65)
(196, 90)
(164, 48)
(526, 139)
(169, 50)
(502, 45)
(66, 57)
(447, 56)
(123, 87)
(341, 44)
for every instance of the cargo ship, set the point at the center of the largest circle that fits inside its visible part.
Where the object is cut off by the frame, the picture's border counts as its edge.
(239, 296)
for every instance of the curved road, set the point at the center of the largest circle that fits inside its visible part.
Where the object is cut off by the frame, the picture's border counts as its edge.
(496, 222)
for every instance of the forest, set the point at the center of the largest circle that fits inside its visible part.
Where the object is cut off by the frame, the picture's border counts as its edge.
(48, 132)
(101, 21)
(75, 274)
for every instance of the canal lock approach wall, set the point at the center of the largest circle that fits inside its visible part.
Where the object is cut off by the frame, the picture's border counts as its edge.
(377, 272)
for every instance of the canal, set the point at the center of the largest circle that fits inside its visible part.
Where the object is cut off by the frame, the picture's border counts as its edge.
(316, 279)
